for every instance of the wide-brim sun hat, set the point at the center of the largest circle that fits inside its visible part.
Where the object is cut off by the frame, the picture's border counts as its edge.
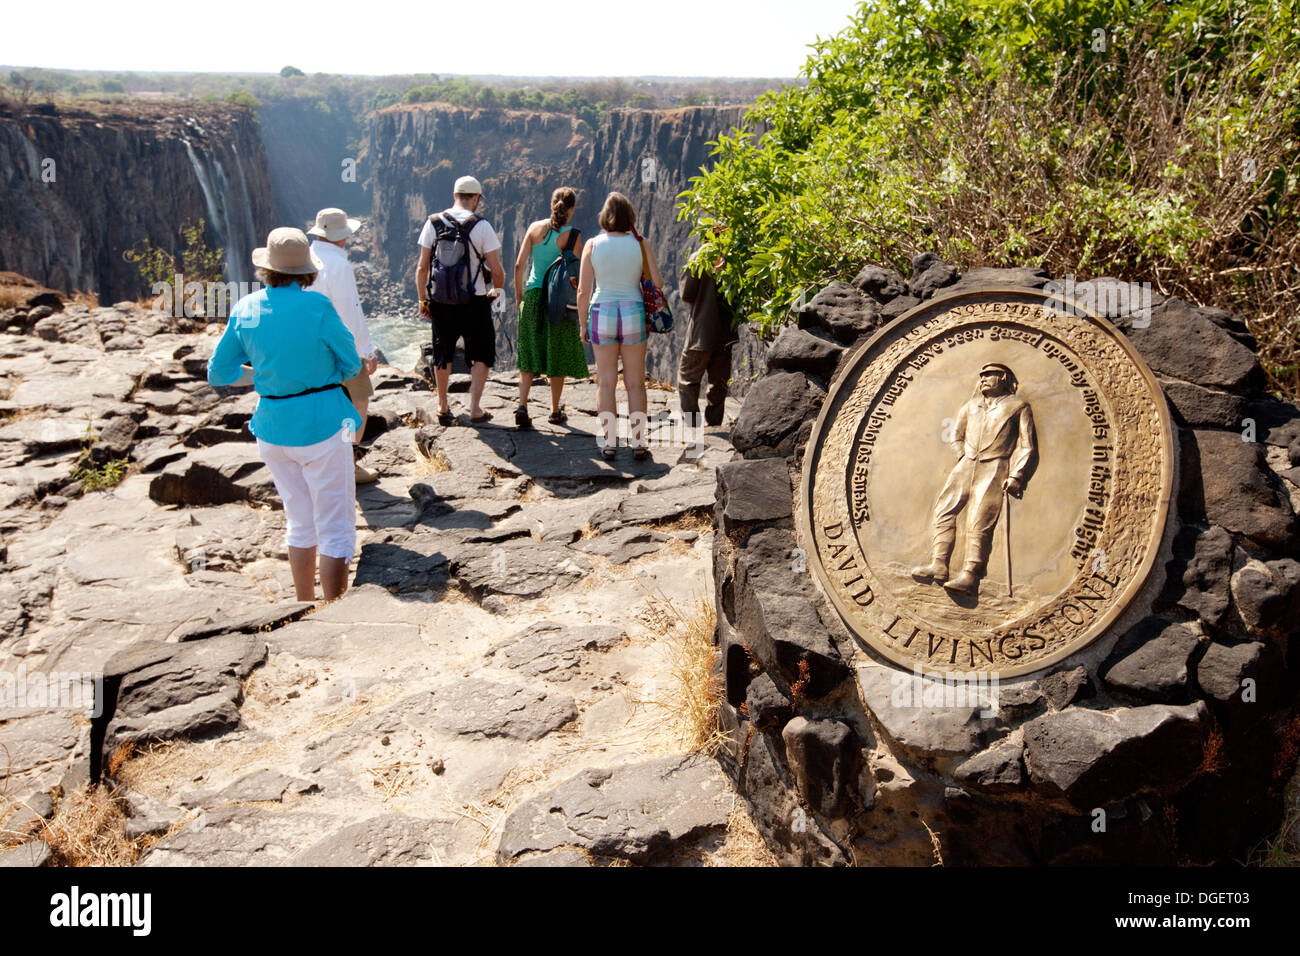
(333, 224)
(287, 251)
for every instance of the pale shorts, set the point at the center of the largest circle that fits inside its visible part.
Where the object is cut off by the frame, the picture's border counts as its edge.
(317, 484)
(617, 323)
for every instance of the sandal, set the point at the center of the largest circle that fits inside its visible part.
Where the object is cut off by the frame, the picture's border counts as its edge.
(558, 417)
(522, 422)
(485, 417)
(446, 418)
(641, 454)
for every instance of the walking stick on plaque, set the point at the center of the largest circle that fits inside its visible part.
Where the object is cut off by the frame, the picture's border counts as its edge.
(1006, 508)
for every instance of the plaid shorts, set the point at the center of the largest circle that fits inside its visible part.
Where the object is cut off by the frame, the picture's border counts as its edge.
(617, 323)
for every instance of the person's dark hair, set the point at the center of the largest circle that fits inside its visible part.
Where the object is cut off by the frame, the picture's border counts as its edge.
(562, 202)
(617, 215)
(276, 280)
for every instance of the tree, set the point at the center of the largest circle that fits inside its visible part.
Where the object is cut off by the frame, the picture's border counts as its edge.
(1083, 137)
(288, 71)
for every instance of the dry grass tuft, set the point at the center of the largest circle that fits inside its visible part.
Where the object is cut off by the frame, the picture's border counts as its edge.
(700, 520)
(431, 465)
(743, 845)
(694, 697)
(1283, 848)
(86, 830)
(120, 756)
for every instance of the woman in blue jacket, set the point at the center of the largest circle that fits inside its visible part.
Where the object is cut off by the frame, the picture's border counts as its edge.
(300, 352)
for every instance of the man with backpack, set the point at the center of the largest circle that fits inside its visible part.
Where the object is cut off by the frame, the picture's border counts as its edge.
(459, 249)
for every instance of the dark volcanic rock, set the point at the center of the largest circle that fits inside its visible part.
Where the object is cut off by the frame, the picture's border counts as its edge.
(842, 311)
(1100, 756)
(768, 707)
(880, 283)
(1236, 491)
(1152, 660)
(1223, 669)
(774, 408)
(642, 812)
(1183, 342)
(798, 350)
(998, 768)
(776, 608)
(1200, 407)
(168, 691)
(929, 275)
(1198, 575)
(214, 476)
(1267, 595)
(754, 490)
(1024, 276)
(823, 757)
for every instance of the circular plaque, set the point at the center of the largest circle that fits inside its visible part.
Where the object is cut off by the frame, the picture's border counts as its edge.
(987, 484)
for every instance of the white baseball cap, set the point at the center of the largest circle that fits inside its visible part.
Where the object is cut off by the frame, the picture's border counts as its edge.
(469, 185)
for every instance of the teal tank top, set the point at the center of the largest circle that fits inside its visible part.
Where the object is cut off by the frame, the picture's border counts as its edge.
(544, 253)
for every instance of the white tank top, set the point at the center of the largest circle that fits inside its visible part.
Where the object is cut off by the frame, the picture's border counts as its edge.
(616, 261)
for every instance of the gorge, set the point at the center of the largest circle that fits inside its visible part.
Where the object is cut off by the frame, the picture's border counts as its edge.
(80, 187)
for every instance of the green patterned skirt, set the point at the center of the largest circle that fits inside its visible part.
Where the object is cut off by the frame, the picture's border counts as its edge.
(545, 348)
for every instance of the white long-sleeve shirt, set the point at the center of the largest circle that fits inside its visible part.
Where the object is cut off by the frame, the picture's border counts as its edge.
(339, 284)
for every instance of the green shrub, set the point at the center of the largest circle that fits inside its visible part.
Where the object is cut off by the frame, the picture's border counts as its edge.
(1088, 138)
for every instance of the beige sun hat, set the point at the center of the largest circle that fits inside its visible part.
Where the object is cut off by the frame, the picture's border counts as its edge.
(333, 224)
(287, 251)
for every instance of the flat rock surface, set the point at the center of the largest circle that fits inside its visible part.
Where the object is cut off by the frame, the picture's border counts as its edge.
(641, 812)
(496, 642)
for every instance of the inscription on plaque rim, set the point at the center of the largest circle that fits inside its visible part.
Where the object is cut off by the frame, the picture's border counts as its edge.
(987, 485)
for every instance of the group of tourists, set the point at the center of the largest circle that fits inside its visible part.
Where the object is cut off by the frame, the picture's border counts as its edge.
(310, 356)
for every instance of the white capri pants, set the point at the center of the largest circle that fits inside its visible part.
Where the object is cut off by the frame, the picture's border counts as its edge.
(318, 486)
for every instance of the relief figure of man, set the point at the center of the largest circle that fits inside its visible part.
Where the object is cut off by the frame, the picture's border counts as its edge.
(994, 437)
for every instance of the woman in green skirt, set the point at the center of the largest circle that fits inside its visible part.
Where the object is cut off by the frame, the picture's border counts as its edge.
(547, 348)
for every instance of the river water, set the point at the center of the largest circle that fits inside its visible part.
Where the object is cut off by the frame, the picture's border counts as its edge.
(399, 337)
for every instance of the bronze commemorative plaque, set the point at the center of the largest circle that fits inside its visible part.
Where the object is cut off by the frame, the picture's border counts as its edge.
(987, 485)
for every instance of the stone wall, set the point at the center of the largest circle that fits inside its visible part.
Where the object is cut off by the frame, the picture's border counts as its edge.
(1167, 741)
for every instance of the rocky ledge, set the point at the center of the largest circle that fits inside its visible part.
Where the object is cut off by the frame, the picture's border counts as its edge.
(509, 633)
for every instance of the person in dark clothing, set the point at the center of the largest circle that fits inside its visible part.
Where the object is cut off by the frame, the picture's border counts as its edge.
(709, 340)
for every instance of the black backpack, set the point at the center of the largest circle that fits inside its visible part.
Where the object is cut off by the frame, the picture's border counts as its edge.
(451, 273)
(560, 284)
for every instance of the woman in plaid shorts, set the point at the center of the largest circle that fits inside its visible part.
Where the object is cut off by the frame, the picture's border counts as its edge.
(612, 318)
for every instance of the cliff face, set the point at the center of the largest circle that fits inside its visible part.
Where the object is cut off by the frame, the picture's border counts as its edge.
(417, 152)
(122, 175)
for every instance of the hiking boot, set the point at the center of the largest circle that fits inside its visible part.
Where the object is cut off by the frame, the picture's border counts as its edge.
(964, 583)
(936, 571)
(364, 476)
(522, 422)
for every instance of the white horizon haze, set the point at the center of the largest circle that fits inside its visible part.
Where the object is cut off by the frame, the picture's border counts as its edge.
(671, 38)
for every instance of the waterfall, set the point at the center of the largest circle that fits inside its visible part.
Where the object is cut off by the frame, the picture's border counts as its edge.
(246, 207)
(232, 235)
(237, 233)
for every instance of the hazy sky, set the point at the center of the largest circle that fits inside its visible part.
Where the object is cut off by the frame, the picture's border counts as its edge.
(511, 37)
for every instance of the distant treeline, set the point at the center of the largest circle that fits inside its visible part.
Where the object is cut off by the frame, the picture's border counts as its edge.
(358, 96)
